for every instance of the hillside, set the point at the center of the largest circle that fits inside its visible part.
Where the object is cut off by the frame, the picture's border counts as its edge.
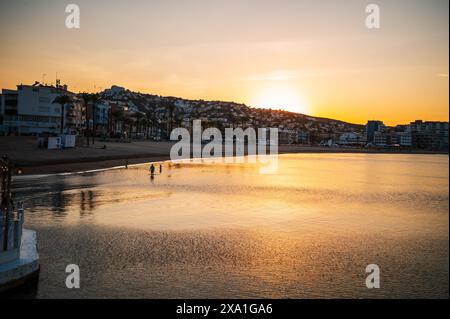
(224, 114)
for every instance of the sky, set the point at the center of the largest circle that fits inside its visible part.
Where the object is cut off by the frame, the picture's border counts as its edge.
(314, 57)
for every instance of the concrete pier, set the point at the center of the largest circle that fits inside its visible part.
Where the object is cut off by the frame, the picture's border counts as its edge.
(24, 268)
(19, 259)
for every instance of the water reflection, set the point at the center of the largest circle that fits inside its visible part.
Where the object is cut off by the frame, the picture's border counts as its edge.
(224, 230)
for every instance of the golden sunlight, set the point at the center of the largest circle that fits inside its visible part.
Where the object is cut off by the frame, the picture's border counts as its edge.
(281, 96)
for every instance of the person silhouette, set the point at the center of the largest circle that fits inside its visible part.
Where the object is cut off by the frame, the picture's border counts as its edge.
(152, 169)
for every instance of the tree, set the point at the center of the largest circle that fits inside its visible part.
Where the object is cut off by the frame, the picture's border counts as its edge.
(62, 100)
(171, 108)
(118, 116)
(93, 99)
(145, 123)
(151, 121)
(128, 122)
(86, 97)
(138, 116)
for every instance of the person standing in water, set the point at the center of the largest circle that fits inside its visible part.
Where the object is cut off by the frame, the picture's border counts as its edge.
(152, 169)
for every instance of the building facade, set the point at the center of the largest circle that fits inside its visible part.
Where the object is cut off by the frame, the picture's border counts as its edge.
(417, 135)
(429, 135)
(30, 110)
(351, 139)
(371, 128)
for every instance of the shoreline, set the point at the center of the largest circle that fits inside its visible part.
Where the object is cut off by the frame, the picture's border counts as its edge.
(24, 154)
(83, 164)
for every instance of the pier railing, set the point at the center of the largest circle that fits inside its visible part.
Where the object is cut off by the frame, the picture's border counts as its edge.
(11, 219)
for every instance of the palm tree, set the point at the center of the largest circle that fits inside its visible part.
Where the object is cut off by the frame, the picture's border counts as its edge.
(62, 100)
(95, 98)
(177, 119)
(90, 98)
(118, 116)
(138, 116)
(86, 97)
(150, 118)
(145, 124)
(171, 108)
(142, 124)
(128, 122)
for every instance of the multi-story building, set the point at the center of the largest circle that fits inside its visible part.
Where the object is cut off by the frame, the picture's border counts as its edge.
(429, 135)
(303, 137)
(30, 110)
(351, 138)
(371, 128)
(75, 119)
(8, 108)
(404, 138)
(379, 138)
(286, 136)
(102, 113)
(418, 135)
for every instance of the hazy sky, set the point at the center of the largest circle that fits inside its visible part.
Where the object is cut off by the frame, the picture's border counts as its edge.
(315, 56)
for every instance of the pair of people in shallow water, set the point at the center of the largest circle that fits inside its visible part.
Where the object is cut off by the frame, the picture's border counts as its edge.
(152, 169)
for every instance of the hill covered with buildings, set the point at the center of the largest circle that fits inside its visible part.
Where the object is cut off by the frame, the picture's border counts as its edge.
(178, 112)
(120, 113)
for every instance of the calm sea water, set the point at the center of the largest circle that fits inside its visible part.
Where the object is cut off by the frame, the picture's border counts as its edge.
(224, 230)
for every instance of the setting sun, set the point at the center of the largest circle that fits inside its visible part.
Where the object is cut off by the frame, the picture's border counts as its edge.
(224, 158)
(281, 96)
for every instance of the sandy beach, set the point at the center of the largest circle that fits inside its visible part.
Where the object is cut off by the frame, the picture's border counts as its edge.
(25, 154)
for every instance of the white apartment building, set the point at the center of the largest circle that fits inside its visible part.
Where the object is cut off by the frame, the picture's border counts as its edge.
(30, 110)
(351, 138)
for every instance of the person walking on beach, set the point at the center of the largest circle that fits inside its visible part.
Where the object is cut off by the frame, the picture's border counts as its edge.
(152, 169)
(160, 168)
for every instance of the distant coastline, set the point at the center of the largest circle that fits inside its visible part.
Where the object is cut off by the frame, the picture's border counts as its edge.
(34, 161)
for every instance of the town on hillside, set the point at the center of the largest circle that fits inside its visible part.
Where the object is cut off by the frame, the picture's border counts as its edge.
(120, 114)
